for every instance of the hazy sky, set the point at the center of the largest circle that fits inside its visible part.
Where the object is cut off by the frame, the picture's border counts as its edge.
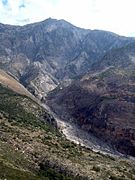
(113, 15)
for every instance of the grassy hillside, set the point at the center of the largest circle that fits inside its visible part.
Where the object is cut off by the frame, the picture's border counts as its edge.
(10, 82)
(32, 148)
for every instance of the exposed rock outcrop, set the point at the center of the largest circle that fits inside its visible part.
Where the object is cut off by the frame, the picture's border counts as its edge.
(42, 54)
(103, 104)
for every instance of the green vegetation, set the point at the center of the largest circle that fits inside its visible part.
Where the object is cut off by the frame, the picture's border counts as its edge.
(9, 172)
(32, 148)
(21, 110)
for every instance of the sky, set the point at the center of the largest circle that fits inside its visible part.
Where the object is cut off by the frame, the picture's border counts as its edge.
(111, 15)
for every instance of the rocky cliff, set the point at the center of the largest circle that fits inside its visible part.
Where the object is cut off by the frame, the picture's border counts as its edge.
(42, 54)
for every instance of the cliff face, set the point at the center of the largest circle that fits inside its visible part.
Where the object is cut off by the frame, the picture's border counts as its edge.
(42, 54)
(102, 103)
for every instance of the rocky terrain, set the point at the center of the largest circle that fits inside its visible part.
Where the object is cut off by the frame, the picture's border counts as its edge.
(43, 54)
(87, 78)
(123, 57)
(31, 147)
(102, 102)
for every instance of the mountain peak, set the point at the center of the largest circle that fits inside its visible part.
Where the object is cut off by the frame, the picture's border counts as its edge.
(58, 22)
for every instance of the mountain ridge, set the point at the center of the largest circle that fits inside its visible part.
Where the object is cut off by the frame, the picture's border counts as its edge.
(54, 48)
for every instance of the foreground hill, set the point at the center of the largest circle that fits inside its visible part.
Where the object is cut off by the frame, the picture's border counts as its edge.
(8, 81)
(31, 147)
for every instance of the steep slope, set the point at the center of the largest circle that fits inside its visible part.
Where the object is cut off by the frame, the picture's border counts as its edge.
(42, 54)
(31, 147)
(101, 103)
(8, 81)
(121, 57)
(95, 45)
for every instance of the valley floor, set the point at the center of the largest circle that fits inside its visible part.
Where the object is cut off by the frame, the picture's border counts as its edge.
(79, 136)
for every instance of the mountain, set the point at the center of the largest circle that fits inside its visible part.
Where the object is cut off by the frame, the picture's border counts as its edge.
(43, 54)
(121, 57)
(103, 101)
(31, 146)
(87, 78)
(94, 47)
(102, 104)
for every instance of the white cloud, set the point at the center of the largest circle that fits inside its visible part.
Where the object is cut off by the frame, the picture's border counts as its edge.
(113, 15)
